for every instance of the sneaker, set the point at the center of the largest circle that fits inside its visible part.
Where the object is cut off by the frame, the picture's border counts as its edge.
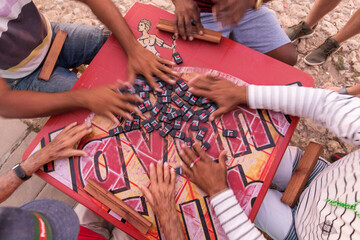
(336, 156)
(300, 30)
(319, 55)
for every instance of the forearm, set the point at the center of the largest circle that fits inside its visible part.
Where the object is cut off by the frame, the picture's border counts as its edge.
(339, 113)
(354, 90)
(9, 182)
(108, 13)
(172, 227)
(28, 104)
(231, 215)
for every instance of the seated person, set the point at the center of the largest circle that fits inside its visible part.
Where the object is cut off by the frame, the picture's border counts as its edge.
(25, 40)
(329, 205)
(258, 29)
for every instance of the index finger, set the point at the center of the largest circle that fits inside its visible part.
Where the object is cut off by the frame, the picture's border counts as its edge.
(153, 176)
(152, 82)
(201, 152)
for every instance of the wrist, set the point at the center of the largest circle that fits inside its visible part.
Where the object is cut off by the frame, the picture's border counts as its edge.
(80, 98)
(34, 162)
(215, 191)
(241, 95)
(134, 48)
(167, 214)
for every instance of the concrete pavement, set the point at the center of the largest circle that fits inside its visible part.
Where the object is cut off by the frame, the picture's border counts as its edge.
(15, 137)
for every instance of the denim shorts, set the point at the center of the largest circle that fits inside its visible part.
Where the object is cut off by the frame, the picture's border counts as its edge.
(258, 29)
(80, 47)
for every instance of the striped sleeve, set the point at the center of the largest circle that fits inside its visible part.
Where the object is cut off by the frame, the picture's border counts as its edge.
(232, 217)
(339, 113)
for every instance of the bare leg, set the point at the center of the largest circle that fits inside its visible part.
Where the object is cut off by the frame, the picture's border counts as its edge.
(286, 53)
(351, 28)
(319, 10)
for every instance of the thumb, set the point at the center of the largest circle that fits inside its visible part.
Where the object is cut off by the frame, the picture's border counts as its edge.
(147, 194)
(223, 158)
(218, 113)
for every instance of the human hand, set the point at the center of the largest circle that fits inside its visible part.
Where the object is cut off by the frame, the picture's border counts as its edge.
(228, 12)
(224, 93)
(142, 61)
(62, 146)
(208, 175)
(106, 101)
(185, 11)
(161, 195)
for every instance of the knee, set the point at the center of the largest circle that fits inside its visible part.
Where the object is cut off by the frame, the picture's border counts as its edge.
(291, 57)
(286, 54)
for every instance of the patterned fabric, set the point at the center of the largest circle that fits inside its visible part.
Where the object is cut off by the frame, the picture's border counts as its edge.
(25, 37)
(315, 218)
(233, 218)
(321, 164)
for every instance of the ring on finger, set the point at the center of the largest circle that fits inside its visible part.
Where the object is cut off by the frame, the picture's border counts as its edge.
(193, 163)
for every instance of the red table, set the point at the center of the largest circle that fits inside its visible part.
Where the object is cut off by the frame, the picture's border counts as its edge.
(121, 163)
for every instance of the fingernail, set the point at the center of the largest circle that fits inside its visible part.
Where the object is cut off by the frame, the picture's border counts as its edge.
(191, 38)
(184, 38)
(201, 32)
(86, 155)
(166, 164)
(151, 164)
(90, 130)
(88, 124)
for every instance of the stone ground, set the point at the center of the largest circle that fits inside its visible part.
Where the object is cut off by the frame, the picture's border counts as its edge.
(343, 68)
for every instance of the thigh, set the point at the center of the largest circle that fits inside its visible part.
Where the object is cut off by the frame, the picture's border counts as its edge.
(62, 79)
(286, 167)
(274, 217)
(260, 30)
(81, 45)
(117, 234)
(93, 221)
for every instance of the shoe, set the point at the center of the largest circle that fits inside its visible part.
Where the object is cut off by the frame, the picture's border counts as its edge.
(319, 55)
(336, 156)
(300, 30)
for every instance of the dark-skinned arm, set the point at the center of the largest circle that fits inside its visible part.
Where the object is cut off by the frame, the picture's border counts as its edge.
(104, 101)
(140, 60)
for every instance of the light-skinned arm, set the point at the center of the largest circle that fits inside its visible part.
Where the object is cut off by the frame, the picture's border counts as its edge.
(161, 197)
(61, 147)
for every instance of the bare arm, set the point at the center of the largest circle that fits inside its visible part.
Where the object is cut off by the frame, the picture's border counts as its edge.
(103, 101)
(161, 198)
(61, 147)
(140, 60)
(27, 104)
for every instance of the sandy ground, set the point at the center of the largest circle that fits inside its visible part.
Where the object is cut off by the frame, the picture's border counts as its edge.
(341, 69)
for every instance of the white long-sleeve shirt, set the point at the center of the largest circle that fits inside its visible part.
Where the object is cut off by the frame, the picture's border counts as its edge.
(315, 217)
